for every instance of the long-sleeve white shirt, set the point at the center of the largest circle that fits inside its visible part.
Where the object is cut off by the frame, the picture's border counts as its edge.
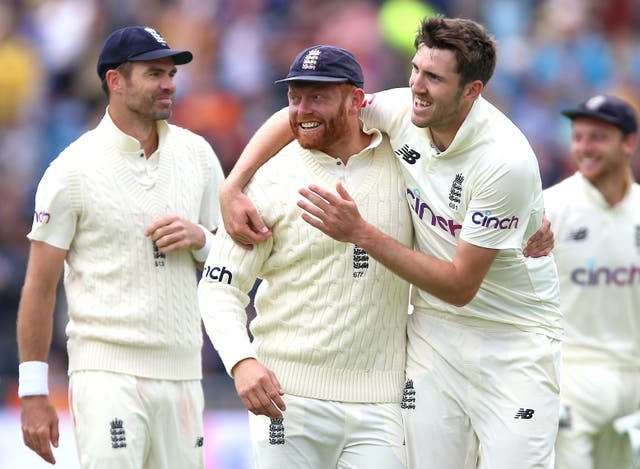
(331, 321)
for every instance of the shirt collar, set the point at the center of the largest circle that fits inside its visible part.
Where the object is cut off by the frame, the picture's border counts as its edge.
(126, 143)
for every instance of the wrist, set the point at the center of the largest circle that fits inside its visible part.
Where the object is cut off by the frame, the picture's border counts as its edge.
(33, 379)
(201, 254)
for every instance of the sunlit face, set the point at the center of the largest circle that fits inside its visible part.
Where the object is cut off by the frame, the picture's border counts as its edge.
(150, 89)
(435, 85)
(318, 115)
(599, 149)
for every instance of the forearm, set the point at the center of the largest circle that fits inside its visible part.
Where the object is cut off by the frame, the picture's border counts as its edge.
(449, 281)
(268, 140)
(35, 323)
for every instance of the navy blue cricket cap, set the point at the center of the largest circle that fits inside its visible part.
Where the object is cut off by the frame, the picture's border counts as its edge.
(609, 109)
(325, 64)
(134, 44)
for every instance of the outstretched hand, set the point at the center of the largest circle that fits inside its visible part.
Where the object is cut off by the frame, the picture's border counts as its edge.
(241, 219)
(335, 215)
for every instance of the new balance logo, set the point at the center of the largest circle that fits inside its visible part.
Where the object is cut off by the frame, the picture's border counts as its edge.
(118, 438)
(579, 234)
(408, 154)
(408, 396)
(276, 432)
(525, 414)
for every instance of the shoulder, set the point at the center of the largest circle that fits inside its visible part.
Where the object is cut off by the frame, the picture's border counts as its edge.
(80, 152)
(395, 96)
(186, 136)
(561, 197)
(560, 189)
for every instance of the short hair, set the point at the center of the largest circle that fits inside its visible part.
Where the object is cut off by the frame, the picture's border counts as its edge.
(474, 48)
(125, 69)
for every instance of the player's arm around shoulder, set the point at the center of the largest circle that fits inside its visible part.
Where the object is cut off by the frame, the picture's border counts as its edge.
(386, 110)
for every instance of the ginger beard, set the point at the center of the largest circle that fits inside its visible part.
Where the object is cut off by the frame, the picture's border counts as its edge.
(327, 133)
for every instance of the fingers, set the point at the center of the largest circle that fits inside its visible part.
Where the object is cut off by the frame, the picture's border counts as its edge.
(40, 441)
(343, 192)
(312, 209)
(172, 233)
(261, 402)
(157, 223)
(258, 388)
(256, 224)
(252, 231)
(241, 219)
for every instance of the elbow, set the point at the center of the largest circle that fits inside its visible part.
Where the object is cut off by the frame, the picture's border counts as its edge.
(461, 297)
(460, 302)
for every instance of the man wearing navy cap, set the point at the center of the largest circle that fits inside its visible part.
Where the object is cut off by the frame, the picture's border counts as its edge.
(596, 217)
(323, 377)
(127, 210)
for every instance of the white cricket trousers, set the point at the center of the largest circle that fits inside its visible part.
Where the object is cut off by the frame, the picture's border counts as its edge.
(479, 388)
(126, 422)
(596, 395)
(318, 434)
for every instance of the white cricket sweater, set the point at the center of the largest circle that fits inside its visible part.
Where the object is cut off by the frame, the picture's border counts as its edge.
(331, 321)
(131, 309)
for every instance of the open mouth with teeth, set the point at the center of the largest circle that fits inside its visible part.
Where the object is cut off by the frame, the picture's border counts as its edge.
(309, 125)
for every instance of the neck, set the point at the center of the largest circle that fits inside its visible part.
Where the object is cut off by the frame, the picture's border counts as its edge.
(443, 135)
(355, 145)
(613, 189)
(144, 131)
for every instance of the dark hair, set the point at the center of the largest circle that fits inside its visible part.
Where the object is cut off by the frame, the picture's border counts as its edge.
(474, 48)
(125, 69)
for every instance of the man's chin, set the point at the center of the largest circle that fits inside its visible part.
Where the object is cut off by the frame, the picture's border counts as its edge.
(308, 143)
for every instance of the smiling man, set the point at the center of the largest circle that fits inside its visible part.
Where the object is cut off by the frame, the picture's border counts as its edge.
(483, 350)
(324, 374)
(127, 209)
(596, 215)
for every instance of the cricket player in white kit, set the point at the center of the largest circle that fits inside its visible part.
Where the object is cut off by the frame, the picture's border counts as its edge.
(127, 209)
(596, 218)
(324, 374)
(484, 347)
(484, 339)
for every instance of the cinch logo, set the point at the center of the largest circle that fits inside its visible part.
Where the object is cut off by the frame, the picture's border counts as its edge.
(485, 219)
(420, 207)
(592, 276)
(221, 274)
(41, 216)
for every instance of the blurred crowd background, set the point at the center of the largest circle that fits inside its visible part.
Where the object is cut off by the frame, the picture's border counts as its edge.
(552, 54)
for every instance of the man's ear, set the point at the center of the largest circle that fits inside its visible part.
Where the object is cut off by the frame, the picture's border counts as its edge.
(114, 80)
(472, 90)
(357, 98)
